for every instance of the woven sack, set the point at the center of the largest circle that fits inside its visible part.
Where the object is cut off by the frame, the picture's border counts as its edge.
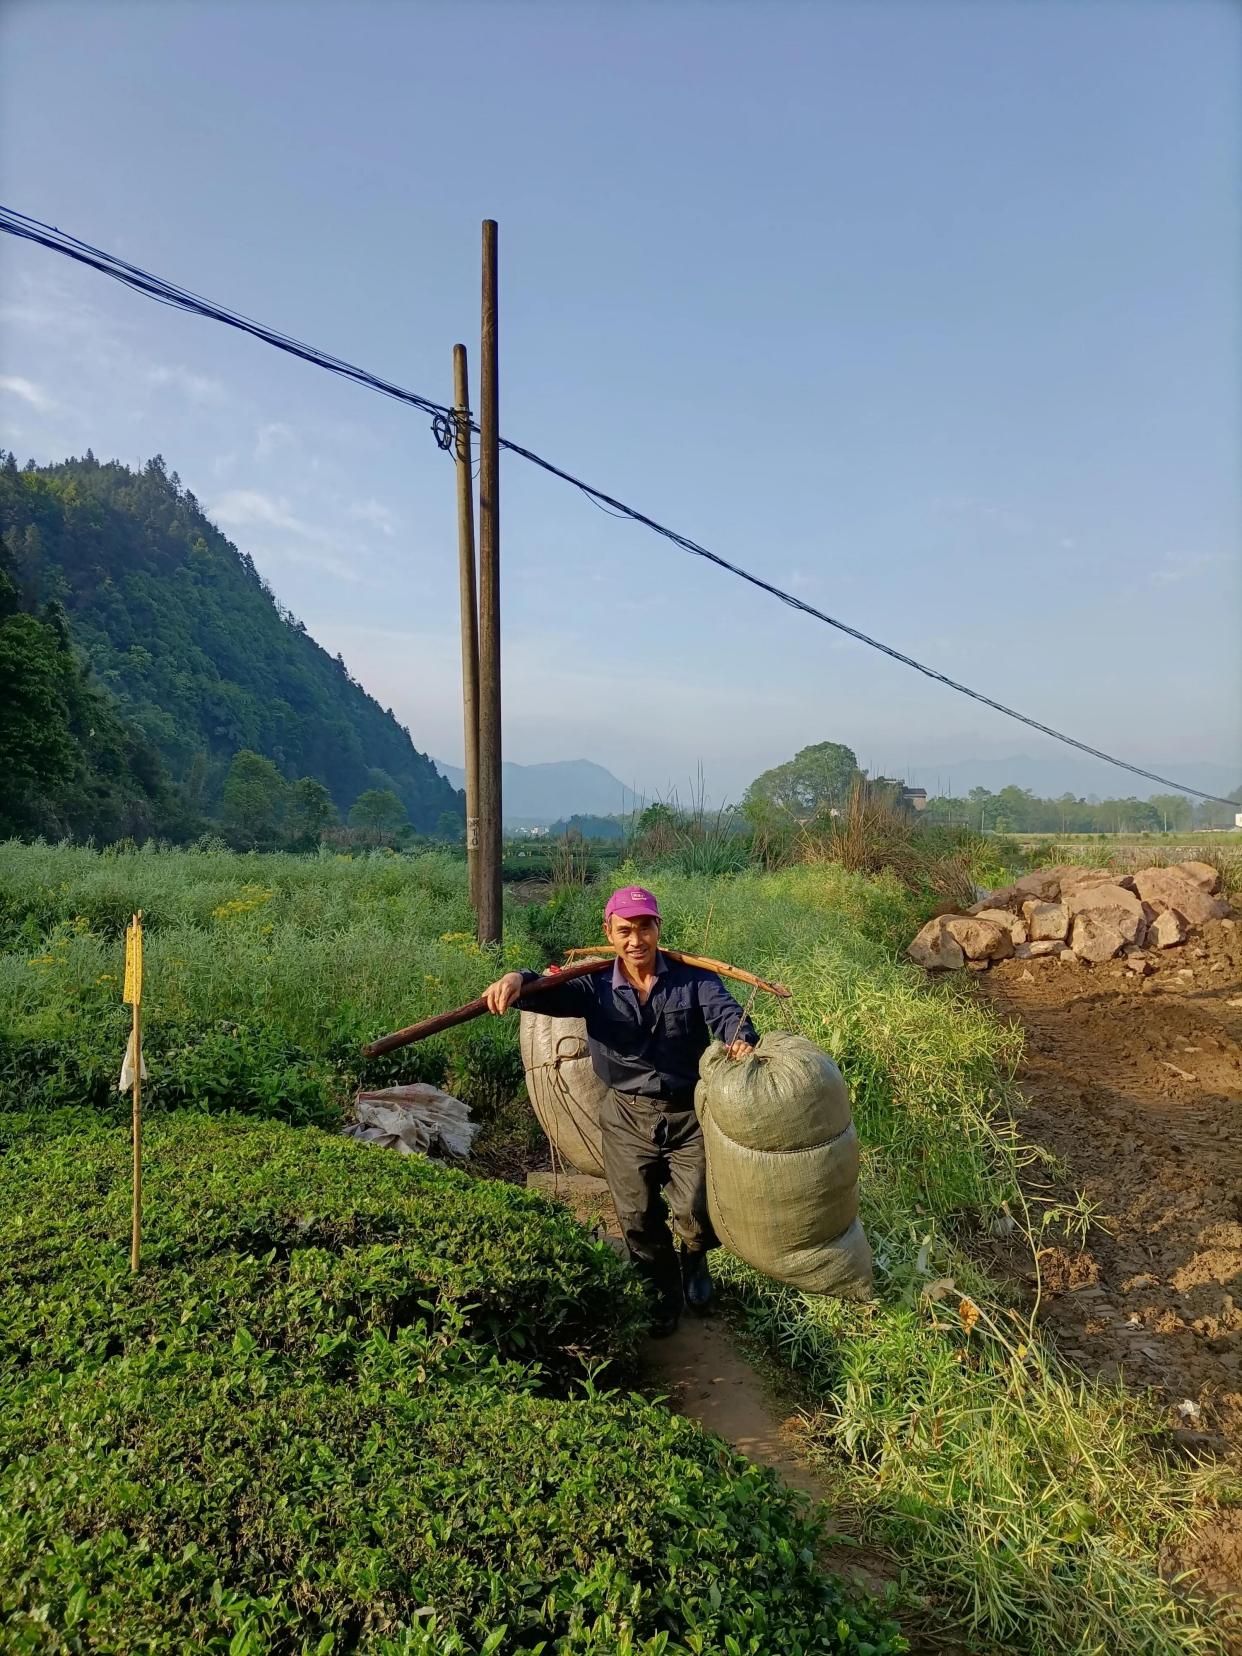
(564, 1089)
(782, 1164)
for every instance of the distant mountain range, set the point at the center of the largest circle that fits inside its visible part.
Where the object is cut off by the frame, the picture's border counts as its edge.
(537, 795)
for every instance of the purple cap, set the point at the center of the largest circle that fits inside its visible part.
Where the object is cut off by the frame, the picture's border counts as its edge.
(630, 902)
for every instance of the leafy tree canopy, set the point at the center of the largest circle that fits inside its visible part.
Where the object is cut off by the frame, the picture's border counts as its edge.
(378, 808)
(253, 798)
(815, 779)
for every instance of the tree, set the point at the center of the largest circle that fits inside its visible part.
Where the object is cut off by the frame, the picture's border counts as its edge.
(816, 779)
(1174, 810)
(310, 810)
(36, 752)
(378, 808)
(254, 796)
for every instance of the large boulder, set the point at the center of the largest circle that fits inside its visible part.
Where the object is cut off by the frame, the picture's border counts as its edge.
(1043, 886)
(1173, 888)
(1109, 906)
(937, 949)
(1014, 924)
(1203, 874)
(1083, 879)
(1046, 921)
(979, 939)
(1094, 938)
(1167, 929)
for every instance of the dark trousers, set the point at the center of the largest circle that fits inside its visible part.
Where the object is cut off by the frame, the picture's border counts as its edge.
(649, 1145)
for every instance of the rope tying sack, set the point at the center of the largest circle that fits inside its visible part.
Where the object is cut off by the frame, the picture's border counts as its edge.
(565, 1091)
(782, 1164)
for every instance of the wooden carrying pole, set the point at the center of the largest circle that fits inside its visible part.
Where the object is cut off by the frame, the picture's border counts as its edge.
(490, 801)
(469, 614)
(476, 1008)
(720, 967)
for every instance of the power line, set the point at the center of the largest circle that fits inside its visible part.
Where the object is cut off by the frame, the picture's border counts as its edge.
(444, 428)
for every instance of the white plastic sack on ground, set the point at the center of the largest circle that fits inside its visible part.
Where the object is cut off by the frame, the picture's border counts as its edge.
(782, 1164)
(416, 1119)
(564, 1089)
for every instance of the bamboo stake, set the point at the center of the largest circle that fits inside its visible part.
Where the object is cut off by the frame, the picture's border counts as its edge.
(135, 1241)
(133, 997)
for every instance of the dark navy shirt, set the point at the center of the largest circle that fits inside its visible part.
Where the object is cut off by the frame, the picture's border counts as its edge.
(651, 1051)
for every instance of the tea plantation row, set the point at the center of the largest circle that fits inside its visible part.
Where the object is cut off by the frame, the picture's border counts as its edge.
(353, 1403)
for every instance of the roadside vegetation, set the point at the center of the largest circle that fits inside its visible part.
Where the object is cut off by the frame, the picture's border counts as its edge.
(1027, 1508)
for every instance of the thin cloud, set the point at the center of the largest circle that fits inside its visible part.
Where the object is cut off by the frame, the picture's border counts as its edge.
(270, 439)
(375, 514)
(1182, 566)
(28, 391)
(247, 511)
(246, 508)
(199, 388)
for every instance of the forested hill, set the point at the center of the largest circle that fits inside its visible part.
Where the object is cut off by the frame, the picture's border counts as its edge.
(200, 657)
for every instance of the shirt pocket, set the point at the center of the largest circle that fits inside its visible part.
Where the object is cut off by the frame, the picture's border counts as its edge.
(677, 1023)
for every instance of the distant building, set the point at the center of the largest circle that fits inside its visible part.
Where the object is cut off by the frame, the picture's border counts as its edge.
(909, 799)
(1237, 819)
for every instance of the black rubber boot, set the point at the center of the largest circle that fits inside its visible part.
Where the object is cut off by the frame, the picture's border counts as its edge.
(664, 1320)
(696, 1280)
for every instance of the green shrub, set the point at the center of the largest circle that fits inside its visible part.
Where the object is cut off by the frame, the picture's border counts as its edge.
(295, 1237)
(215, 1508)
(349, 1405)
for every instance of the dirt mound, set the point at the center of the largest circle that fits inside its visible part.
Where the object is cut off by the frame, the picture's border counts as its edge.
(1135, 1083)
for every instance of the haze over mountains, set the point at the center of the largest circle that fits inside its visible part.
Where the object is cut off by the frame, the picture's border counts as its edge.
(536, 795)
(193, 659)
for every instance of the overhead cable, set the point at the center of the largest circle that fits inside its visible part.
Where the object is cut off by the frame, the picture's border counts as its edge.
(444, 426)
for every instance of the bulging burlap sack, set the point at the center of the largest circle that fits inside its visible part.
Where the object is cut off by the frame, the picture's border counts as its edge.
(564, 1089)
(782, 1164)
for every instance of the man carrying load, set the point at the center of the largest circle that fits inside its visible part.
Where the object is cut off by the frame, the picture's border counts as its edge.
(648, 1023)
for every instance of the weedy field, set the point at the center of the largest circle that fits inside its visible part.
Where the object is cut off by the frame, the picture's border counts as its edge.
(261, 1432)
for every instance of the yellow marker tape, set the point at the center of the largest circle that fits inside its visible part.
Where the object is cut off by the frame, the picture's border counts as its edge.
(133, 963)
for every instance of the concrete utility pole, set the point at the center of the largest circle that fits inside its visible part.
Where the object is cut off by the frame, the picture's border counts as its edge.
(469, 614)
(490, 800)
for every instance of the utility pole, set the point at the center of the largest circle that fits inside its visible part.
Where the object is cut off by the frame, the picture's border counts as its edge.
(490, 801)
(469, 614)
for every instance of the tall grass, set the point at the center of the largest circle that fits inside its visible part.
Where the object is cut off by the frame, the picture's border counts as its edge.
(1032, 1505)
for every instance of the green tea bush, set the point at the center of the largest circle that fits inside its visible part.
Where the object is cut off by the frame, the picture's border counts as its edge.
(219, 1509)
(337, 1411)
(302, 1240)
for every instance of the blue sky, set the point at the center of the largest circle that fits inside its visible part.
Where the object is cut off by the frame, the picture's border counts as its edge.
(928, 312)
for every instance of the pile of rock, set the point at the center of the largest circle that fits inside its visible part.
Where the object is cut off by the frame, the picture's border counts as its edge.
(1083, 913)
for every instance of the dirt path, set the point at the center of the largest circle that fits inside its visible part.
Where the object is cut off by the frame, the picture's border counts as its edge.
(1135, 1084)
(705, 1373)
